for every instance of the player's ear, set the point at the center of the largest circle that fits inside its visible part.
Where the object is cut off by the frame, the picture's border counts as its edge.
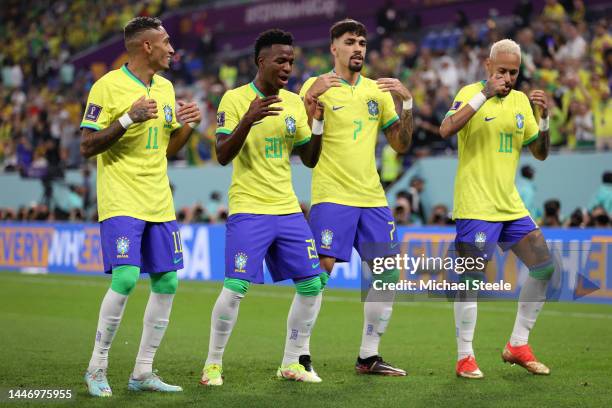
(332, 48)
(488, 65)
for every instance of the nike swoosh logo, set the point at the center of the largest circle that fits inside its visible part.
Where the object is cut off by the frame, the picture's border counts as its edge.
(489, 119)
(394, 245)
(315, 265)
(177, 260)
(337, 107)
(256, 123)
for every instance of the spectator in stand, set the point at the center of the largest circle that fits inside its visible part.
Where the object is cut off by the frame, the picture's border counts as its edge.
(527, 190)
(417, 186)
(576, 219)
(440, 216)
(554, 11)
(599, 218)
(603, 196)
(552, 209)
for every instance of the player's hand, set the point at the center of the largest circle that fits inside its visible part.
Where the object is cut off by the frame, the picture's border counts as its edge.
(188, 112)
(143, 109)
(540, 101)
(319, 110)
(496, 85)
(260, 108)
(323, 83)
(394, 86)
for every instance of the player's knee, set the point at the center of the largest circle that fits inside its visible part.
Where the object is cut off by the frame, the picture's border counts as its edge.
(237, 285)
(543, 271)
(327, 263)
(164, 283)
(309, 287)
(125, 278)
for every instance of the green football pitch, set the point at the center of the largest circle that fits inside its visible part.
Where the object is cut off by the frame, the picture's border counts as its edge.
(48, 325)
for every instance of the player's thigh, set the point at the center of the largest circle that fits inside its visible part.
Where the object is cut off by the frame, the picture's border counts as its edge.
(121, 241)
(247, 239)
(376, 234)
(333, 227)
(162, 248)
(476, 238)
(293, 255)
(527, 242)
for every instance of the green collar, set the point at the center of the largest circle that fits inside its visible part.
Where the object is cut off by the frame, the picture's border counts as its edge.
(257, 91)
(346, 82)
(129, 73)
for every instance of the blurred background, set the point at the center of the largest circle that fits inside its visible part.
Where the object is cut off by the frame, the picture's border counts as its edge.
(51, 52)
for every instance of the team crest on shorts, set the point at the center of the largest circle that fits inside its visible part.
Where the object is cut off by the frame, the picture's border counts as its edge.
(480, 239)
(290, 124)
(240, 261)
(373, 107)
(123, 247)
(327, 236)
(520, 120)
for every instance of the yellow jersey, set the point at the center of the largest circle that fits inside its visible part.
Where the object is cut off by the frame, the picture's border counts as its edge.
(132, 177)
(489, 148)
(346, 172)
(261, 178)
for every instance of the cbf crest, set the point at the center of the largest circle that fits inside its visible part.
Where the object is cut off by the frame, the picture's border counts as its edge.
(123, 247)
(290, 125)
(480, 239)
(240, 261)
(373, 107)
(520, 121)
(168, 115)
(327, 236)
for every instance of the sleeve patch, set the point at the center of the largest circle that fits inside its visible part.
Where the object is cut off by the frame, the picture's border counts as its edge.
(456, 105)
(93, 112)
(220, 119)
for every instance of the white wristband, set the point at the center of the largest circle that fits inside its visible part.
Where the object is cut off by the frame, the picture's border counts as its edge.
(477, 101)
(125, 120)
(193, 125)
(544, 124)
(317, 127)
(407, 104)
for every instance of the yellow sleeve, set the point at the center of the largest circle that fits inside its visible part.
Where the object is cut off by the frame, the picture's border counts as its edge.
(388, 115)
(227, 116)
(97, 115)
(461, 99)
(532, 130)
(175, 123)
(306, 86)
(303, 132)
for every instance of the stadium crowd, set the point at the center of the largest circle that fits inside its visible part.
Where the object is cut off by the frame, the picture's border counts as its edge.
(566, 51)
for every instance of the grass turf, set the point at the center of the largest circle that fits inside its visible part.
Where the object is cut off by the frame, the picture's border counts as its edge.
(48, 324)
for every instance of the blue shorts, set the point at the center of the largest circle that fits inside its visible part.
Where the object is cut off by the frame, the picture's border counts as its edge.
(484, 236)
(338, 228)
(154, 247)
(284, 241)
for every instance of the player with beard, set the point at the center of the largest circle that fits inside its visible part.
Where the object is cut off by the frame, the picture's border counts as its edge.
(350, 208)
(494, 122)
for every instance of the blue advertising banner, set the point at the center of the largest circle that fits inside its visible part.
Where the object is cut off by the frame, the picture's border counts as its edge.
(584, 256)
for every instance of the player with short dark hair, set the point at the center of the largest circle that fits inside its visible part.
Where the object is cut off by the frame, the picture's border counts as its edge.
(493, 122)
(258, 126)
(349, 206)
(131, 124)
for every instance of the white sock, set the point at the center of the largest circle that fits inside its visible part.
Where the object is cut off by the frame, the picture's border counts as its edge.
(465, 324)
(318, 301)
(376, 318)
(531, 301)
(223, 318)
(111, 312)
(301, 318)
(155, 322)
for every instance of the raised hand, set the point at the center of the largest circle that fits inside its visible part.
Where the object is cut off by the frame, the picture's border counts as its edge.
(143, 109)
(394, 86)
(323, 83)
(496, 85)
(188, 112)
(260, 108)
(540, 100)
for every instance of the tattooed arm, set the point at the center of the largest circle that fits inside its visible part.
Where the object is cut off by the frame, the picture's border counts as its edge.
(399, 134)
(541, 146)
